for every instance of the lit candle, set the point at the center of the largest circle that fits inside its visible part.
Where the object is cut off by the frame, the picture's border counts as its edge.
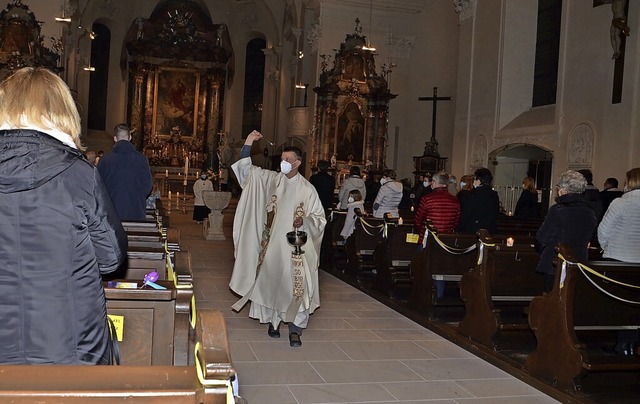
(177, 196)
(184, 182)
(400, 220)
(509, 241)
(166, 173)
(169, 196)
(197, 174)
(186, 166)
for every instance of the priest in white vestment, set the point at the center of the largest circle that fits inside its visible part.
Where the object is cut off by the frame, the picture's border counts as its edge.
(282, 287)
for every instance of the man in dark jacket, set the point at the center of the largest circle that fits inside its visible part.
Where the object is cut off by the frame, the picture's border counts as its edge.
(571, 220)
(324, 183)
(127, 176)
(481, 208)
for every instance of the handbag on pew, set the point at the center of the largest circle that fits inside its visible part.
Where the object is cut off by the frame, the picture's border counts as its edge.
(114, 346)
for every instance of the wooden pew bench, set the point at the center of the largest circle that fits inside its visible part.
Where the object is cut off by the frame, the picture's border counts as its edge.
(359, 247)
(157, 384)
(563, 317)
(513, 226)
(497, 291)
(392, 259)
(153, 319)
(437, 263)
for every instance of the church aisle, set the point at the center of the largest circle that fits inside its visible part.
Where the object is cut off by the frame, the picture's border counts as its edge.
(356, 349)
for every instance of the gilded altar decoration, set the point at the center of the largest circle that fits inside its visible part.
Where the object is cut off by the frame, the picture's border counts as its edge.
(351, 116)
(21, 43)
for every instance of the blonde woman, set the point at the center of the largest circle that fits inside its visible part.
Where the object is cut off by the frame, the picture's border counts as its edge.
(60, 231)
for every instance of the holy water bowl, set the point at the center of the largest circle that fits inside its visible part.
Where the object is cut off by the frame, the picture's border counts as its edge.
(297, 238)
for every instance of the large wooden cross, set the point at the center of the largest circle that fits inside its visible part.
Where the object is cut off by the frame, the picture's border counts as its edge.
(435, 100)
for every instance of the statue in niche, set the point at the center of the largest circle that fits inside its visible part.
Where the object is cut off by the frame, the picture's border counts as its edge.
(354, 68)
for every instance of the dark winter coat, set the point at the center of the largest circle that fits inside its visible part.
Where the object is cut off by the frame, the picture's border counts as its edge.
(325, 184)
(60, 231)
(479, 211)
(572, 221)
(527, 205)
(127, 176)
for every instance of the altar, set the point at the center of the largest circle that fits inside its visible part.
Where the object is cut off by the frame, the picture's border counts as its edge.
(178, 63)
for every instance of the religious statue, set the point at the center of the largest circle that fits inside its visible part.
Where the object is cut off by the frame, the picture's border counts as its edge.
(619, 26)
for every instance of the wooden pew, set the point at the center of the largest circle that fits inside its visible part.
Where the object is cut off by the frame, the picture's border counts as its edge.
(359, 248)
(392, 259)
(560, 318)
(513, 226)
(157, 384)
(503, 278)
(338, 253)
(436, 263)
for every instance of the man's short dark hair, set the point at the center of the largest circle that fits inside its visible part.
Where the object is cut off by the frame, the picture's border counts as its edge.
(323, 165)
(612, 181)
(119, 128)
(588, 175)
(484, 175)
(295, 150)
(354, 170)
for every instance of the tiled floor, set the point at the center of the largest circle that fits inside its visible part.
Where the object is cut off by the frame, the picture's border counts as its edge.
(356, 350)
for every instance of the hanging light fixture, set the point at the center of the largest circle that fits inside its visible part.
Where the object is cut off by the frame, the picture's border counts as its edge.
(368, 46)
(64, 17)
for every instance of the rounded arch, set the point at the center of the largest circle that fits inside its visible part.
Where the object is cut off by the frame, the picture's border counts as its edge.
(513, 162)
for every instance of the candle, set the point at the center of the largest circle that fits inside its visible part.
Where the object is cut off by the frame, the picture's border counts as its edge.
(509, 241)
(178, 196)
(186, 166)
(166, 173)
(184, 182)
(169, 195)
(400, 220)
(197, 174)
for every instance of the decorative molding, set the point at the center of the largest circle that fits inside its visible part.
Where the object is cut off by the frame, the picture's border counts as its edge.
(479, 157)
(400, 45)
(580, 146)
(465, 8)
(313, 36)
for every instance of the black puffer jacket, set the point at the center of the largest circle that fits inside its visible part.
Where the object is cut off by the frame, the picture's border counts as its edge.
(58, 232)
(572, 221)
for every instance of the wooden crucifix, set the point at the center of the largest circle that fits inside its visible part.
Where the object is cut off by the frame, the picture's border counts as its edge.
(435, 100)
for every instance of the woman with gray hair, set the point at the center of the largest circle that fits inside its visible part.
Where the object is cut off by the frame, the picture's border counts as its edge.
(571, 220)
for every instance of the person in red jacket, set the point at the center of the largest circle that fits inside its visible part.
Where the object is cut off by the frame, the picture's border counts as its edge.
(442, 208)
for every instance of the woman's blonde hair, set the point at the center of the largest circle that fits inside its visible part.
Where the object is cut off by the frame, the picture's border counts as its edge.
(41, 98)
(633, 179)
(529, 184)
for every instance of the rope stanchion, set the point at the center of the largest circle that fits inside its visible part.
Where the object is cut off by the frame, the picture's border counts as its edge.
(584, 269)
(365, 225)
(452, 250)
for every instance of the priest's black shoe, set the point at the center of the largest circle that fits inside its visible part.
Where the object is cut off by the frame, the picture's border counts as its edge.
(294, 339)
(274, 332)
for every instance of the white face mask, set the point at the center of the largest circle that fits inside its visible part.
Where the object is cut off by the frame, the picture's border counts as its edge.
(462, 184)
(351, 200)
(476, 183)
(285, 167)
(425, 184)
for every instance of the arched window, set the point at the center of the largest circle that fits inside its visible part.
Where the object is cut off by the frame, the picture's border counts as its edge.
(253, 86)
(99, 78)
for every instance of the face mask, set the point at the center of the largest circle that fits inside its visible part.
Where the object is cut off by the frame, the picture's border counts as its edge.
(351, 200)
(476, 183)
(425, 184)
(203, 177)
(462, 184)
(285, 167)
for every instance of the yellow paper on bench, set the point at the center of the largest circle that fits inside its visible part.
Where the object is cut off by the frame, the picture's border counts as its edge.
(118, 322)
(412, 238)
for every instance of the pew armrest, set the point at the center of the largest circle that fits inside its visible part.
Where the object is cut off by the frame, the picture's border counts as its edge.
(215, 356)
